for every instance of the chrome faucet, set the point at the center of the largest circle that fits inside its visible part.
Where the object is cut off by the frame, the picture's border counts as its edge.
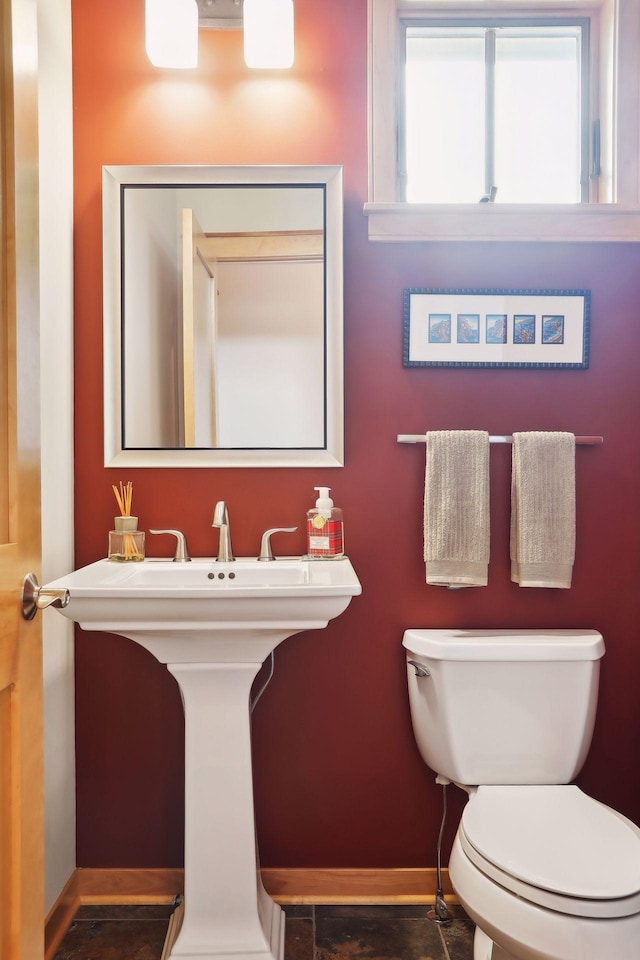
(221, 520)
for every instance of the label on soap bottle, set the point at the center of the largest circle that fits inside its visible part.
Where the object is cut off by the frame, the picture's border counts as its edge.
(324, 537)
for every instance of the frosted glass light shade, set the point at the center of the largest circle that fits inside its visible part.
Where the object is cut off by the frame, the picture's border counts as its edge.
(268, 33)
(171, 33)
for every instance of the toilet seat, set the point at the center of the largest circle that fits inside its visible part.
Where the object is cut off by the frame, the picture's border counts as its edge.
(525, 930)
(556, 847)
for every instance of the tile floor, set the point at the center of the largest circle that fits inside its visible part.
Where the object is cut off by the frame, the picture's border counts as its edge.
(312, 933)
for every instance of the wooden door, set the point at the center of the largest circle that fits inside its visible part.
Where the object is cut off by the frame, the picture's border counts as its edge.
(21, 777)
(200, 413)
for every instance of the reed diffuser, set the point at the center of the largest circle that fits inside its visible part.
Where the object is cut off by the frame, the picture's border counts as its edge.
(126, 542)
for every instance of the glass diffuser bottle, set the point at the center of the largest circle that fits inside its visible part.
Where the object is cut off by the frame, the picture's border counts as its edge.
(126, 542)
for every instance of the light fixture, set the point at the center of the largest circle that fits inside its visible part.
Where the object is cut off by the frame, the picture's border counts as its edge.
(268, 33)
(171, 33)
(171, 30)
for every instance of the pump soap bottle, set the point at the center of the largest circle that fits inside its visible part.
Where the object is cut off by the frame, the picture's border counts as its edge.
(325, 529)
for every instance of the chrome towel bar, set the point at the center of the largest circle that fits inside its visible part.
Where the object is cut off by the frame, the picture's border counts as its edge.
(421, 438)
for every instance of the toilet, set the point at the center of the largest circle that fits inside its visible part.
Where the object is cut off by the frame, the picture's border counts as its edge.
(545, 871)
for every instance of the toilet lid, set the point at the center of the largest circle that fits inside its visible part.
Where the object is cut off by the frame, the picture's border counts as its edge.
(555, 838)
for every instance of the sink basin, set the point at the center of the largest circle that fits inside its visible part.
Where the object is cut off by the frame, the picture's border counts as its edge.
(213, 624)
(205, 610)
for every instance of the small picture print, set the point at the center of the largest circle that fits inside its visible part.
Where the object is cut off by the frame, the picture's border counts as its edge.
(468, 328)
(552, 329)
(439, 328)
(496, 327)
(524, 328)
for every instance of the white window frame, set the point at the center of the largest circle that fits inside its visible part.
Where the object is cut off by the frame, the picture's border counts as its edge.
(615, 55)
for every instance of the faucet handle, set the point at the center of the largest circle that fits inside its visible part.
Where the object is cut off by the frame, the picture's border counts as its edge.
(266, 553)
(182, 553)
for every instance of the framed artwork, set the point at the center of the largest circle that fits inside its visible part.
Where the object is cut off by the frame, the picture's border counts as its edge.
(496, 328)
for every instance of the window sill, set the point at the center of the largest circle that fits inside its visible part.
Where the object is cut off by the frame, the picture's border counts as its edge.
(484, 222)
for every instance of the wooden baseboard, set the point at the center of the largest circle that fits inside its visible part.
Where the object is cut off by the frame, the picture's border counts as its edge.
(128, 886)
(100, 886)
(354, 886)
(61, 916)
(103, 886)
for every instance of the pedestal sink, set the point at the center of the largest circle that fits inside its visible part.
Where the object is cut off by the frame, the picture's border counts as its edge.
(214, 624)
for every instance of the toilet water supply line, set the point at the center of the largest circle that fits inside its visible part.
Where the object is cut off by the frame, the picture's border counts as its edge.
(440, 914)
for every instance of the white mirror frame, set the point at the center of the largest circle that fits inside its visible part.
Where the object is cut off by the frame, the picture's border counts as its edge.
(113, 179)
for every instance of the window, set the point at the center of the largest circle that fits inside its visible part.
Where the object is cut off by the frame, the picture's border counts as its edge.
(495, 110)
(492, 57)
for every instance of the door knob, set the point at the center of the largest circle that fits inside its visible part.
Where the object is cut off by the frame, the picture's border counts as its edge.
(34, 597)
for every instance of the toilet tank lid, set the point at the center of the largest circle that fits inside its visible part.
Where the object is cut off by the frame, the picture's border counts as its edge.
(510, 645)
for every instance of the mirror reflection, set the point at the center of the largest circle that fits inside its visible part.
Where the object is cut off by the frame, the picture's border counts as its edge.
(230, 316)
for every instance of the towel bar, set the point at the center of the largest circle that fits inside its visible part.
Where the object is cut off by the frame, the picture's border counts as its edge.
(421, 438)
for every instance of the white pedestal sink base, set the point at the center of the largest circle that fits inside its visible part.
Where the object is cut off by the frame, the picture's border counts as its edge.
(227, 913)
(214, 624)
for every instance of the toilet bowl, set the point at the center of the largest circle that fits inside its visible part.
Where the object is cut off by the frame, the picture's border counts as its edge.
(546, 872)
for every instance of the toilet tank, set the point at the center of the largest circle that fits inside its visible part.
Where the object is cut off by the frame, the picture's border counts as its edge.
(504, 706)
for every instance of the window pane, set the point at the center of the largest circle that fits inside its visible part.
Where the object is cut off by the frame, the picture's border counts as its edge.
(444, 131)
(537, 120)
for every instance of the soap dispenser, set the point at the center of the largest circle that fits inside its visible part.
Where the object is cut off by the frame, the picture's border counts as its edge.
(325, 529)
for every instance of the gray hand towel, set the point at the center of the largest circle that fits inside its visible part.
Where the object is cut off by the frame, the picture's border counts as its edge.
(456, 508)
(543, 509)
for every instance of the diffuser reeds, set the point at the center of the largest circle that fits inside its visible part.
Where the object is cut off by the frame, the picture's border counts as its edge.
(124, 497)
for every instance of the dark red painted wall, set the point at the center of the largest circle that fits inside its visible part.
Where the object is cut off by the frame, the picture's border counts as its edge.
(339, 781)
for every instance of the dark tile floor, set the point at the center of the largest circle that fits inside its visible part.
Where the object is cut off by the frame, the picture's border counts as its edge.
(312, 933)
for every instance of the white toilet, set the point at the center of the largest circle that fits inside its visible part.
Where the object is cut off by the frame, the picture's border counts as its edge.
(546, 872)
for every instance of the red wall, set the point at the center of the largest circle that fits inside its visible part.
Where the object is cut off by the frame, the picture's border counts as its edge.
(339, 781)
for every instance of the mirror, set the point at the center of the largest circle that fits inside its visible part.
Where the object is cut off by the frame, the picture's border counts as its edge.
(223, 316)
